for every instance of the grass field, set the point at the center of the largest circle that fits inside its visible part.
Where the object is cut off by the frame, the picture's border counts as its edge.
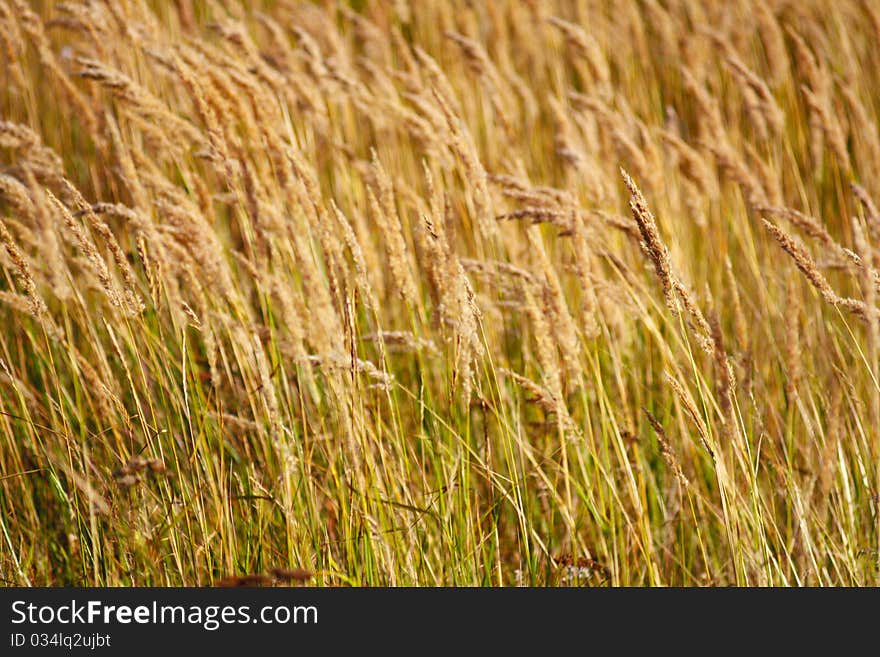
(546, 292)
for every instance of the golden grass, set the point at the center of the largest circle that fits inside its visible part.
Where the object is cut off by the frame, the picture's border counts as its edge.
(358, 289)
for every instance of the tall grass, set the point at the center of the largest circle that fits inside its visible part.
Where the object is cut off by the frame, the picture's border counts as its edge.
(440, 293)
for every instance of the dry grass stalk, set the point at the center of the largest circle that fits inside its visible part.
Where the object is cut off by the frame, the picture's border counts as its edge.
(769, 110)
(93, 258)
(812, 227)
(360, 265)
(545, 398)
(35, 304)
(666, 450)
(725, 376)
(807, 265)
(655, 248)
(691, 408)
(462, 144)
(869, 284)
(872, 215)
(585, 46)
(692, 165)
(555, 307)
(674, 291)
(830, 126)
(386, 216)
